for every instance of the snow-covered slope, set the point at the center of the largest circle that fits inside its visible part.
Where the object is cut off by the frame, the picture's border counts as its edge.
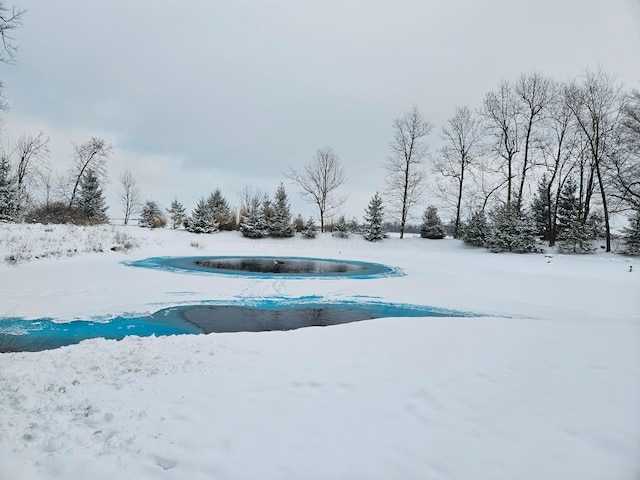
(546, 385)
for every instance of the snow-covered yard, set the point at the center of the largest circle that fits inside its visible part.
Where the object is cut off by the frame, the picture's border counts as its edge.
(545, 385)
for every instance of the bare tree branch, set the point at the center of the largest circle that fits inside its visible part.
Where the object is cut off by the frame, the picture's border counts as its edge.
(319, 181)
(406, 179)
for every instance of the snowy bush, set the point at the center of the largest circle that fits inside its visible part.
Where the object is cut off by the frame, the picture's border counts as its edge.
(511, 230)
(341, 229)
(431, 226)
(309, 230)
(152, 216)
(476, 230)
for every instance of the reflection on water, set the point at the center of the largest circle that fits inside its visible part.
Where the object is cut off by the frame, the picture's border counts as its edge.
(17, 334)
(277, 265)
(270, 267)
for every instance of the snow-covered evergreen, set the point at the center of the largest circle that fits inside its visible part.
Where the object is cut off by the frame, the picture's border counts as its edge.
(91, 203)
(202, 219)
(281, 224)
(309, 230)
(151, 216)
(511, 230)
(476, 231)
(9, 197)
(432, 226)
(177, 214)
(374, 228)
(568, 207)
(631, 235)
(254, 223)
(574, 236)
(220, 211)
(341, 228)
(540, 210)
(298, 223)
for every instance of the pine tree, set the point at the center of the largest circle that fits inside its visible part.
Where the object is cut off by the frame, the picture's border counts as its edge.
(541, 210)
(220, 211)
(568, 206)
(354, 226)
(151, 216)
(299, 223)
(90, 202)
(476, 231)
(341, 228)
(309, 230)
(374, 228)
(511, 230)
(574, 236)
(177, 214)
(202, 219)
(631, 235)
(281, 225)
(254, 223)
(432, 226)
(9, 198)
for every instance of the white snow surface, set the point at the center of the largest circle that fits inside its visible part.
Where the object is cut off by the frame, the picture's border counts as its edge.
(546, 385)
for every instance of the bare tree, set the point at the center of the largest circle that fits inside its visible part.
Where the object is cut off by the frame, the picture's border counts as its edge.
(560, 148)
(534, 92)
(91, 155)
(406, 179)
(319, 180)
(626, 165)
(597, 104)
(501, 110)
(129, 195)
(463, 143)
(10, 19)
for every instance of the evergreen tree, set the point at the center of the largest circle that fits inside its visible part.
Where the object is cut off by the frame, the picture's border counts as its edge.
(9, 197)
(152, 216)
(511, 230)
(476, 231)
(177, 214)
(220, 211)
(541, 210)
(90, 201)
(309, 230)
(574, 236)
(341, 228)
(432, 226)
(631, 235)
(281, 225)
(299, 223)
(374, 228)
(254, 223)
(202, 219)
(568, 206)
(354, 226)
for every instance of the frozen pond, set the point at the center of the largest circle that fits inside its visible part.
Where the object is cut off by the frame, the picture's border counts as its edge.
(18, 334)
(270, 267)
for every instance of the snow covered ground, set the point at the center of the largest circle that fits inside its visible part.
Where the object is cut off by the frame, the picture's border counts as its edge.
(546, 385)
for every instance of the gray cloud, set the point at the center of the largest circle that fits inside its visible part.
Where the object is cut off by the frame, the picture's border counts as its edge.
(255, 87)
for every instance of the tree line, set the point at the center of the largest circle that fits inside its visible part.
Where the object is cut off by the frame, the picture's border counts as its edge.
(541, 160)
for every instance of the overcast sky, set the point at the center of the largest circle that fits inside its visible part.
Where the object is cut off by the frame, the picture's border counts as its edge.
(198, 94)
